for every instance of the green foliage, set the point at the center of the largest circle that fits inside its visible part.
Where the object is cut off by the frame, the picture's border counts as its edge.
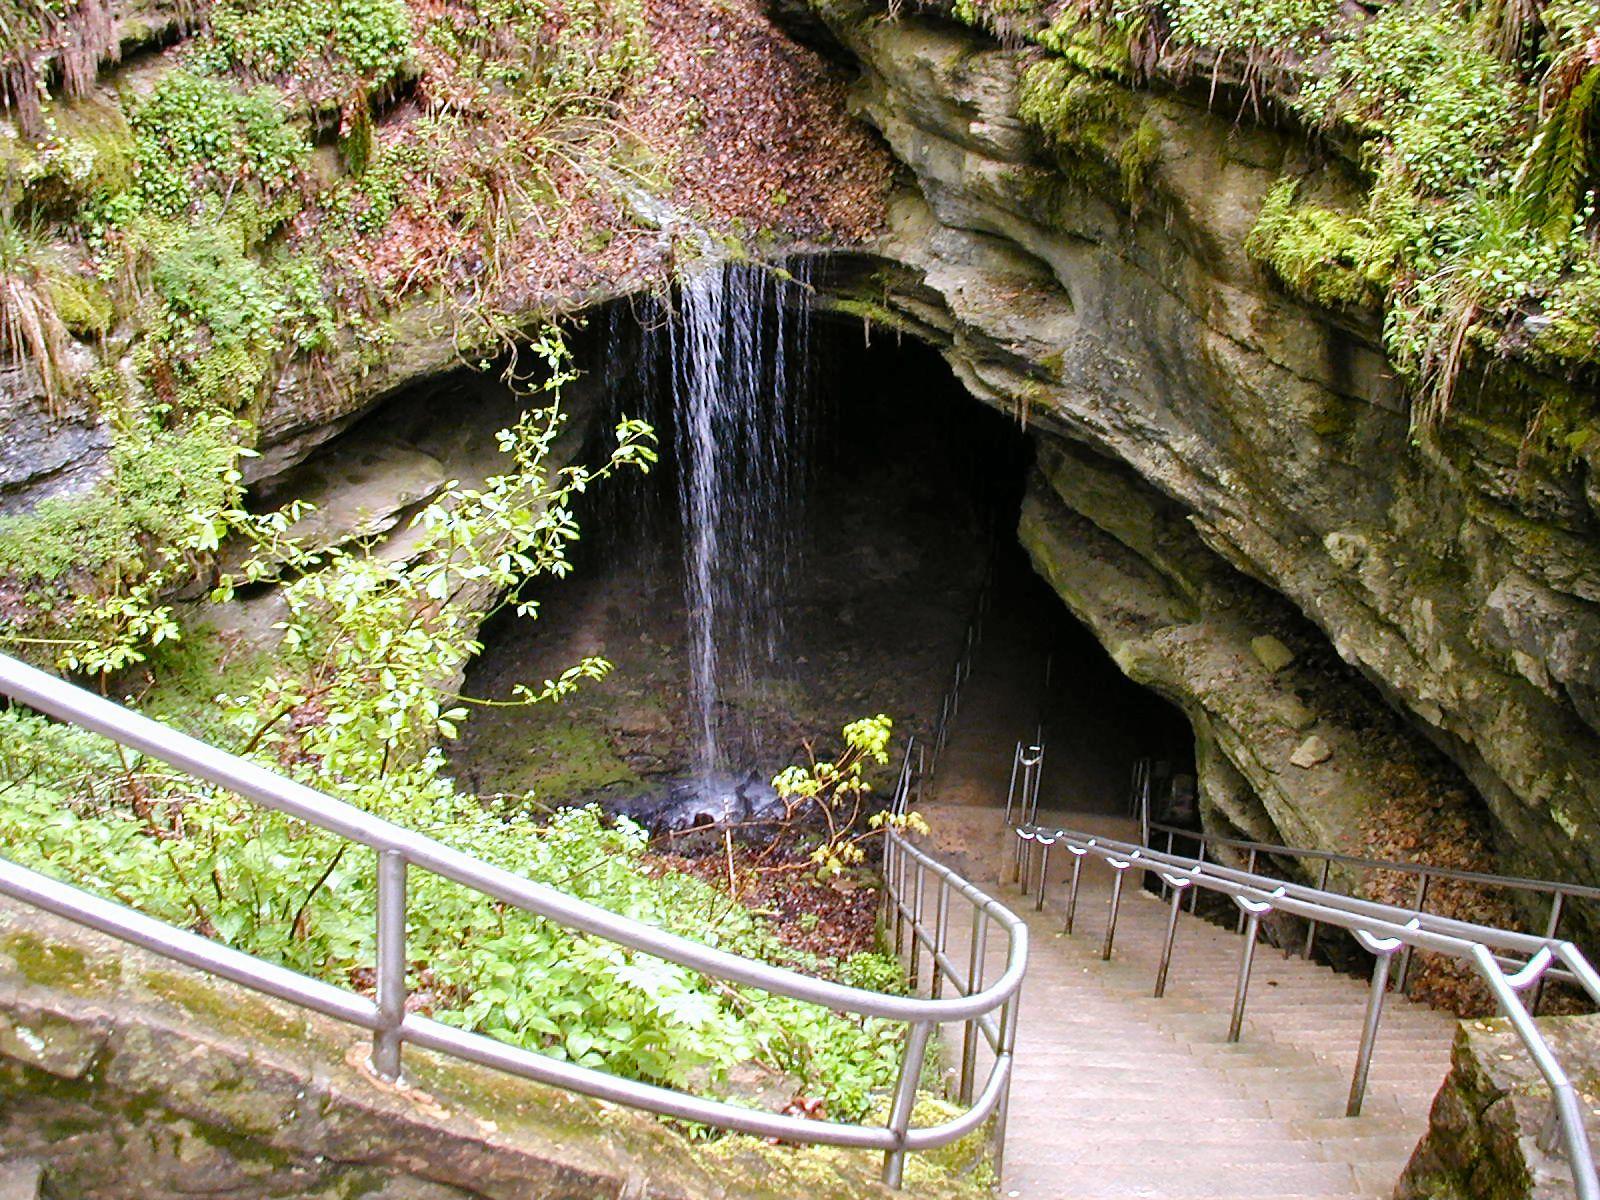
(209, 288)
(1280, 30)
(332, 44)
(203, 859)
(1447, 110)
(198, 135)
(88, 570)
(216, 316)
(1329, 257)
(553, 60)
(833, 794)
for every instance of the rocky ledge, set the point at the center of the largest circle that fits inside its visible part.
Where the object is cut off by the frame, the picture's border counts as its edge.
(124, 1076)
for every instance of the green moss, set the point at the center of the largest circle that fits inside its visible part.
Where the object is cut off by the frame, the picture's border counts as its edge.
(959, 1171)
(1137, 161)
(84, 305)
(564, 759)
(54, 964)
(226, 1008)
(1096, 128)
(1330, 258)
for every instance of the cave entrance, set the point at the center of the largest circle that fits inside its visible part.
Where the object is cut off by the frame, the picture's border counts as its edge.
(906, 495)
(1040, 676)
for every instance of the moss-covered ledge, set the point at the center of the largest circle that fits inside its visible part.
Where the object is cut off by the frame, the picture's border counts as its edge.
(1482, 1139)
(128, 1076)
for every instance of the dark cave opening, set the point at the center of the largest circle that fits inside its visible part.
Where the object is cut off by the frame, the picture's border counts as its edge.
(910, 492)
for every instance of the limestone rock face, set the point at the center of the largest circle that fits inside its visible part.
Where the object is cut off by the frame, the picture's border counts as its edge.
(47, 450)
(1462, 583)
(1483, 1135)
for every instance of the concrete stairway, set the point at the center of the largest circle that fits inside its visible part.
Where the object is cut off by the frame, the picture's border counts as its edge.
(1117, 1094)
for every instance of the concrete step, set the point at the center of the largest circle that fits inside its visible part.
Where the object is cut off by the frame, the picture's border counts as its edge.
(1117, 1093)
(1155, 1174)
(20, 1179)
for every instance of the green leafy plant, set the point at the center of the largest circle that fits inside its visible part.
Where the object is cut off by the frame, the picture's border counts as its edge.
(197, 135)
(329, 45)
(831, 795)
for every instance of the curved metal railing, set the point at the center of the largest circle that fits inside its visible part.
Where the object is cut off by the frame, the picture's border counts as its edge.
(1509, 962)
(399, 850)
(1424, 874)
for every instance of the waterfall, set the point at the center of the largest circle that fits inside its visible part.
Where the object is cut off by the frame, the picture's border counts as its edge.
(739, 364)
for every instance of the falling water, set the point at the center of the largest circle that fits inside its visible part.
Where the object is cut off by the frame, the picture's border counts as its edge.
(739, 363)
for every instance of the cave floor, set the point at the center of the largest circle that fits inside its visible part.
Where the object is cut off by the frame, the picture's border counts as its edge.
(1118, 1094)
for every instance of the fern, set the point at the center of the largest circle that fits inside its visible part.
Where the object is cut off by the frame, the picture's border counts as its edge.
(1562, 159)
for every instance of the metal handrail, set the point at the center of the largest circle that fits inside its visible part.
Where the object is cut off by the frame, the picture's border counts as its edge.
(1514, 882)
(950, 703)
(1425, 874)
(400, 849)
(904, 870)
(1382, 929)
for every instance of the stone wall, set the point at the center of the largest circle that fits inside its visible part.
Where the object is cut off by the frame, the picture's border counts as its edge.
(1482, 1139)
(125, 1076)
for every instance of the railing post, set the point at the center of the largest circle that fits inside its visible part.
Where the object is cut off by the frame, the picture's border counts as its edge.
(391, 964)
(969, 1032)
(1369, 1030)
(1032, 778)
(1311, 925)
(1007, 1055)
(1252, 911)
(905, 1098)
(1011, 789)
(1249, 870)
(1177, 886)
(1072, 893)
(941, 931)
(1116, 903)
(897, 891)
(1557, 903)
(1194, 893)
(916, 927)
(1044, 871)
(1405, 955)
